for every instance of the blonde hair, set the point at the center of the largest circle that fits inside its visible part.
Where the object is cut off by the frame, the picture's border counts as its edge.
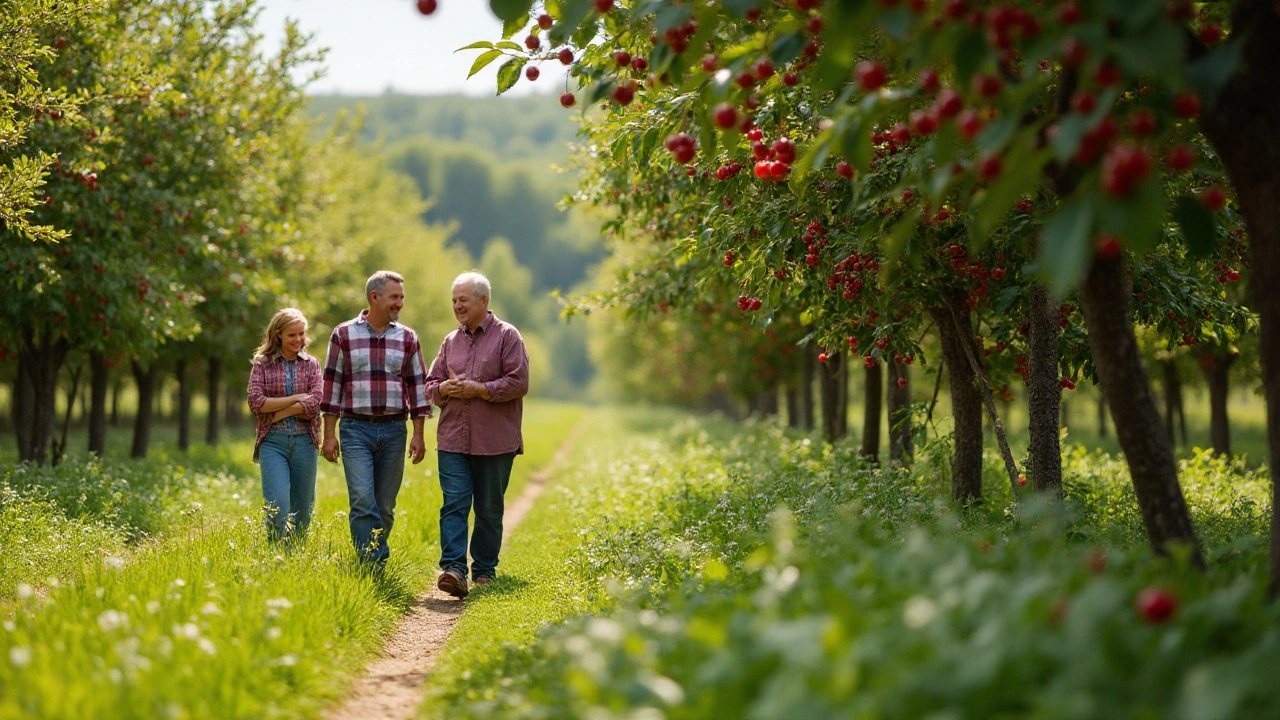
(271, 339)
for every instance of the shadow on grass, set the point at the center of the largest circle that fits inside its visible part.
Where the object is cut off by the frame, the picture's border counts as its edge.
(501, 585)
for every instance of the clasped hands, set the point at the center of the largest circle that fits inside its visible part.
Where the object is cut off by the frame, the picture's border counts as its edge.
(459, 386)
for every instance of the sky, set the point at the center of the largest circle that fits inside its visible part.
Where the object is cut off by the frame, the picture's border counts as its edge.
(375, 45)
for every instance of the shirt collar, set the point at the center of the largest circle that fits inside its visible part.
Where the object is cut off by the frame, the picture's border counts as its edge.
(484, 325)
(363, 318)
(302, 355)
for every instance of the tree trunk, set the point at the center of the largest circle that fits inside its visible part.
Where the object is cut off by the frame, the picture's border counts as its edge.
(1173, 400)
(59, 446)
(214, 381)
(899, 402)
(184, 405)
(1217, 368)
(966, 401)
(1104, 298)
(117, 387)
(872, 408)
(1102, 414)
(834, 387)
(234, 410)
(1044, 394)
(98, 377)
(1243, 123)
(36, 393)
(145, 378)
(765, 402)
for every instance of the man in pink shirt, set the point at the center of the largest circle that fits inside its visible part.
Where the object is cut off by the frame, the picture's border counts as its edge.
(478, 380)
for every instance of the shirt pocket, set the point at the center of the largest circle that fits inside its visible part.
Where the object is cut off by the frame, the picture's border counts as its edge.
(395, 360)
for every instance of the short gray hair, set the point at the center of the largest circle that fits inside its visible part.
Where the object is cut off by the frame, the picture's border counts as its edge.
(378, 281)
(481, 283)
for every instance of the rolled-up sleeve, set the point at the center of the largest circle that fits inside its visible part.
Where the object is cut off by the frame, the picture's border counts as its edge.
(315, 389)
(257, 388)
(331, 394)
(414, 375)
(514, 382)
(439, 373)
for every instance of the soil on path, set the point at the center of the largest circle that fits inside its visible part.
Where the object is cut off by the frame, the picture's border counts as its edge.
(392, 684)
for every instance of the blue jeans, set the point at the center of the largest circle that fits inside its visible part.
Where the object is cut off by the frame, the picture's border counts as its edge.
(464, 479)
(373, 461)
(288, 464)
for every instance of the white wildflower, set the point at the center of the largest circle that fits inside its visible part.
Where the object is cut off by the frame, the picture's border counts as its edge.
(20, 655)
(112, 619)
(210, 608)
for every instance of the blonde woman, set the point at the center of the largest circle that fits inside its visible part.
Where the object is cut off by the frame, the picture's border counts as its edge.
(284, 393)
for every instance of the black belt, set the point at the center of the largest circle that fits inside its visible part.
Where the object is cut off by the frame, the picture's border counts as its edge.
(397, 417)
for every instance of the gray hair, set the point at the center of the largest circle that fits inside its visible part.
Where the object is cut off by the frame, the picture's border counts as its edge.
(481, 283)
(378, 281)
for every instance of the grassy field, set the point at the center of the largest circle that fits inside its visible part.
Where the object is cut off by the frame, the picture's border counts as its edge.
(183, 609)
(692, 569)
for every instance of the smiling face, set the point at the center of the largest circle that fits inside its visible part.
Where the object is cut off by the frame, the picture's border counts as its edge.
(469, 309)
(384, 306)
(293, 338)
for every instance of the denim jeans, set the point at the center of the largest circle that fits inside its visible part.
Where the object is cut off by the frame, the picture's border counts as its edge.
(288, 464)
(464, 479)
(373, 461)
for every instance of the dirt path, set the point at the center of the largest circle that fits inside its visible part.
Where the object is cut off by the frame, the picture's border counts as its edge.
(392, 684)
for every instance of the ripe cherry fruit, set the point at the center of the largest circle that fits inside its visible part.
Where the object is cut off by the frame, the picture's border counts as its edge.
(567, 99)
(725, 116)
(844, 170)
(1156, 605)
(1215, 198)
(532, 72)
(871, 75)
(566, 56)
(426, 7)
(1180, 158)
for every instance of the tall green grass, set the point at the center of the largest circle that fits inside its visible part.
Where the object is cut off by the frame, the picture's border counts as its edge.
(703, 572)
(202, 617)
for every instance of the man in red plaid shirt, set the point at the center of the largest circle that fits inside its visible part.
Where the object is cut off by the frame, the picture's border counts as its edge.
(374, 380)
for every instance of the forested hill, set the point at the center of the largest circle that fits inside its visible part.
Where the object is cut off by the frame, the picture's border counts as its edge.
(490, 165)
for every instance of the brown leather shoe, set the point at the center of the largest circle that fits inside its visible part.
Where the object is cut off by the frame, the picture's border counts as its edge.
(482, 580)
(453, 582)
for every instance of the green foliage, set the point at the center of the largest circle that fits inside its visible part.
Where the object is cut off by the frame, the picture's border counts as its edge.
(760, 575)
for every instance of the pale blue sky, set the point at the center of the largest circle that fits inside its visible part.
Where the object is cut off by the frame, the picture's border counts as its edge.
(376, 44)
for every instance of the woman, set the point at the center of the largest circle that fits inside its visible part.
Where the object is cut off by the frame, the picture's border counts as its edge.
(284, 392)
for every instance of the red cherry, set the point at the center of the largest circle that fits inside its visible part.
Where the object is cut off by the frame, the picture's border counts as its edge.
(949, 103)
(1073, 51)
(567, 99)
(1156, 605)
(623, 94)
(1108, 246)
(1108, 74)
(1233, 275)
(532, 72)
(532, 42)
(902, 382)
(1022, 480)
(1083, 102)
(603, 6)
(871, 75)
(1069, 13)
(901, 134)
(622, 58)
(1124, 168)
(778, 170)
(928, 79)
(1186, 105)
(815, 25)
(969, 123)
(566, 56)
(426, 7)
(725, 116)
(1180, 158)
(764, 69)
(822, 357)
(790, 79)
(1067, 383)
(997, 274)
(1215, 198)
(639, 64)
(545, 22)
(986, 85)
(924, 122)
(844, 170)
(989, 168)
(762, 169)
(1210, 34)
(807, 5)
(1142, 123)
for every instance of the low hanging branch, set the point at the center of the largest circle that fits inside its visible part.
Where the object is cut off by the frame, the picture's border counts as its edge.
(937, 385)
(1010, 466)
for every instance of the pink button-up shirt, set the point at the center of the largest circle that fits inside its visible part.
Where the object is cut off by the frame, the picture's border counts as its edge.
(266, 380)
(493, 354)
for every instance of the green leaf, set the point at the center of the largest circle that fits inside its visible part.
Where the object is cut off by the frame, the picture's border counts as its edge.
(509, 73)
(1022, 168)
(673, 16)
(511, 27)
(787, 47)
(1067, 140)
(572, 13)
(508, 45)
(1153, 52)
(1138, 220)
(739, 8)
(511, 10)
(1209, 73)
(970, 53)
(481, 44)
(897, 23)
(1197, 226)
(482, 60)
(996, 134)
(1065, 249)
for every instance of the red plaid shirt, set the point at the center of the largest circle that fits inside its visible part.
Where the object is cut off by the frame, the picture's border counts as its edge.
(371, 374)
(266, 380)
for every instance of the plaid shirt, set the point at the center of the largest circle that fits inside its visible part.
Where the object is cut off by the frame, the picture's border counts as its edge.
(267, 380)
(371, 374)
